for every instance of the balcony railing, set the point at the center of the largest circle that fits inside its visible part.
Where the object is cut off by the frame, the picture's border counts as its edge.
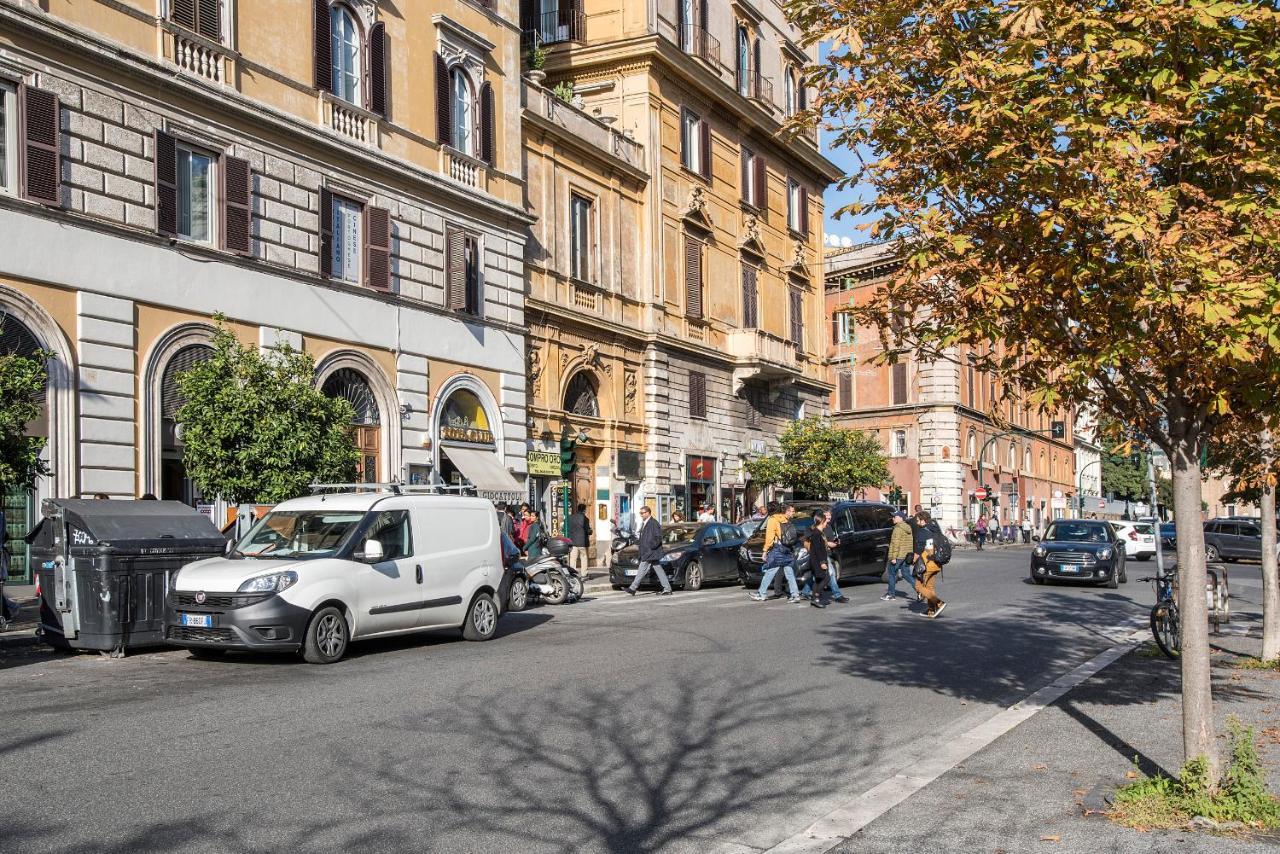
(562, 25)
(197, 55)
(755, 345)
(464, 169)
(700, 43)
(761, 88)
(349, 120)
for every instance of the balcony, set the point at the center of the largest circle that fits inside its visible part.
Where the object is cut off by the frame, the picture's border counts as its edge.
(348, 120)
(197, 55)
(556, 27)
(760, 88)
(700, 43)
(465, 169)
(758, 355)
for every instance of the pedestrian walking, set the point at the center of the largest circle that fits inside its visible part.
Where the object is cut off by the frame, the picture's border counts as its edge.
(833, 585)
(901, 548)
(780, 541)
(522, 526)
(1026, 530)
(980, 530)
(819, 557)
(505, 522)
(579, 538)
(928, 537)
(759, 514)
(650, 545)
(533, 532)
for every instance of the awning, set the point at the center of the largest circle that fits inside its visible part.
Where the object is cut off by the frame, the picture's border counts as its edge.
(487, 474)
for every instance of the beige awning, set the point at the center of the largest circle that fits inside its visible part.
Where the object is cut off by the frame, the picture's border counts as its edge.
(487, 474)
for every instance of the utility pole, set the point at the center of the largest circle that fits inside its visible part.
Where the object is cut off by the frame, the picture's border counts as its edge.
(1155, 510)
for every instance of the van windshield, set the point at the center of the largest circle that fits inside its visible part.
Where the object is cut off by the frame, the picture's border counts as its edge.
(299, 535)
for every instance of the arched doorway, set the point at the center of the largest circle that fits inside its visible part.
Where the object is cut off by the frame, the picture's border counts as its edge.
(19, 505)
(366, 428)
(174, 483)
(582, 398)
(468, 442)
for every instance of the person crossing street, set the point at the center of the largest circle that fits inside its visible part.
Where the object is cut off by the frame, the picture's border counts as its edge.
(780, 541)
(928, 538)
(901, 546)
(579, 538)
(650, 546)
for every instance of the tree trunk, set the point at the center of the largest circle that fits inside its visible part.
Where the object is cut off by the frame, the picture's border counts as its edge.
(1270, 582)
(1198, 732)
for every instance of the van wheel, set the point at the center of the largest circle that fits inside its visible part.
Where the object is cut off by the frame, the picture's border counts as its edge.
(482, 618)
(518, 597)
(326, 640)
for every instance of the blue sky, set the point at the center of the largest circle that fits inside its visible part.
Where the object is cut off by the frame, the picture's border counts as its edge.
(835, 198)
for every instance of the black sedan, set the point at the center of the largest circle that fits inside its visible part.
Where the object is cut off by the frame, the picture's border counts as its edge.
(1079, 550)
(693, 554)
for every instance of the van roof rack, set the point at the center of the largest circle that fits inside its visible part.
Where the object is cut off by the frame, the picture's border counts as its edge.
(395, 488)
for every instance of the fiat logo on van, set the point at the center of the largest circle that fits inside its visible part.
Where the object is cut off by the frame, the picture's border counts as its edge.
(200, 597)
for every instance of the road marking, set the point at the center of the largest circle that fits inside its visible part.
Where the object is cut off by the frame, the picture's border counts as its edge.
(839, 825)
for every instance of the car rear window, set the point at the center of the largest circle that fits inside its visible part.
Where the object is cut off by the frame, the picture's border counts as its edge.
(1143, 529)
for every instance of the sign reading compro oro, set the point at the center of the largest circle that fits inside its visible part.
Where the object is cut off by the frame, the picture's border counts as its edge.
(543, 463)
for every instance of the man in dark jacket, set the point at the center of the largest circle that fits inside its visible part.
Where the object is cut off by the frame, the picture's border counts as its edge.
(579, 538)
(927, 535)
(650, 545)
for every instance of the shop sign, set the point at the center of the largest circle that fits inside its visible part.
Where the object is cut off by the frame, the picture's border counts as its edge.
(465, 420)
(758, 447)
(702, 469)
(474, 435)
(543, 463)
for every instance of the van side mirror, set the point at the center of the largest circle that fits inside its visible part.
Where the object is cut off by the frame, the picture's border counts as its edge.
(372, 553)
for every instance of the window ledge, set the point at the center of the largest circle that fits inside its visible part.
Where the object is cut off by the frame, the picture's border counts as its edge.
(705, 179)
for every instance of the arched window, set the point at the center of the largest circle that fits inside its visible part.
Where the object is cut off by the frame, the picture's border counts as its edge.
(790, 99)
(174, 483)
(345, 54)
(1026, 460)
(581, 398)
(971, 448)
(744, 61)
(16, 339)
(349, 385)
(1042, 464)
(1013, 456)
(463, 107)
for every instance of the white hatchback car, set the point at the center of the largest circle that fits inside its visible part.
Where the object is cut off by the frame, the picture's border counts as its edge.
(316, 573)
(1139, 539)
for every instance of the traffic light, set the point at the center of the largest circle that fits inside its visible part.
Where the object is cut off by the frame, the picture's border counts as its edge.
(568, 448)
(1058, 430)
(995, 501)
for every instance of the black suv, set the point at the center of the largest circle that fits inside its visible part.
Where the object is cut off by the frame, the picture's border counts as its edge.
(861, 527)
(1233, 539)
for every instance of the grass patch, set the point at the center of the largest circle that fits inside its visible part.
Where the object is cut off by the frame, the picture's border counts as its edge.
(1248, 662)
(1241, 796)
(1149, 650)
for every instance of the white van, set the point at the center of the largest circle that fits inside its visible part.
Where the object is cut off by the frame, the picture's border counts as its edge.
(316, 573)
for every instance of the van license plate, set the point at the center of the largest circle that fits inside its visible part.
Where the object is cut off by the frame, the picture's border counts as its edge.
(199, 621)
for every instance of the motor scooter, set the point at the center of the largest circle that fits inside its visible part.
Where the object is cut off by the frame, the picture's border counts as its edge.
(549, 579)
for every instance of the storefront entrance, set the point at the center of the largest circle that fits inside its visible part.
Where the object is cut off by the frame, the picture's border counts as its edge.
(469, 453)
(701, 485)
(366, 427)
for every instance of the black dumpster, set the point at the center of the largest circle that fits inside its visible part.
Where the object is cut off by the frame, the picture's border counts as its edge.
(104, 568)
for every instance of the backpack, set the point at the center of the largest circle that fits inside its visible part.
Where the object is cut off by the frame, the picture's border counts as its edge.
(941, 549)
(790, 535)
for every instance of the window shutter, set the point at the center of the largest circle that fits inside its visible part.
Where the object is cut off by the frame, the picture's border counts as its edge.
(379, 57)
(835, 328)
(692, 277)
(183, 13)
(844, 397)
(237, 205)
(746, 176)
(899, 383)
(704, 129)
(797, 317)
(755, 67)
(326, 232)
(762, 183)
(804, 211)
(377, 247)
(166, 148)
(323, 47)
(486, 122)
(41, 131)
(444, 113)
(750, 298)
(455, 298)
(210, 23)
(697, 394)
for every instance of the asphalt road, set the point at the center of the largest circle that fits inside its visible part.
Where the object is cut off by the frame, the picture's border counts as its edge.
(700, 722)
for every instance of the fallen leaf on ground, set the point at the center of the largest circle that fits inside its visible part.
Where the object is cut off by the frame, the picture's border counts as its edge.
(1054, 838)
(1131, 775)
(1271, 735)
(1039, 766)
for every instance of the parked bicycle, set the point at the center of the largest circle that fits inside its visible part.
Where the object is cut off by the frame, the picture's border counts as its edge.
(1165, 625)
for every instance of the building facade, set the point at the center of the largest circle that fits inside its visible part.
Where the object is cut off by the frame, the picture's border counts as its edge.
(276, 164)
(723, 322)
(947, 427)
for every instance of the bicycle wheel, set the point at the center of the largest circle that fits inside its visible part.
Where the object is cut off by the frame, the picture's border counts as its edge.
(1165, 628)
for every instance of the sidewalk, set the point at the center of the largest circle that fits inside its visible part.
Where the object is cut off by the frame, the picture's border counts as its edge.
(22, 630)
(1040, 787)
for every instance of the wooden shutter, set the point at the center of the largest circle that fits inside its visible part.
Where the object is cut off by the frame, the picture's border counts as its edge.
(899, 383)
(704, 130)
(746, 175)
(697, 394)
(323, 50)
(750, 299)
(455, 298)
(762, 183)
(379, 57)
(444, 112)
(377, 247)
(166, 149)
(755, 68)
(804, 211)
(797, 317)
(183, 13)
(237, 205)
(41, 126)
(209, 24)
(326, 232)
(844, 396)
(692, 277)
(486, 122)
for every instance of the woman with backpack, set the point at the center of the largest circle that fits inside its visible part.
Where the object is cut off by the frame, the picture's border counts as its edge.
(934, 550)
(780, 541)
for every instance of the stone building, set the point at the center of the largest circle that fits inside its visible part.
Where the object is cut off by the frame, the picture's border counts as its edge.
(727, 295)
(946, 427)
(331, 174)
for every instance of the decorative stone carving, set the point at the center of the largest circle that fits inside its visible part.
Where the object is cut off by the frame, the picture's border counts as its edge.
(629, 393)
(799, 256)
(535, 370)
(751, 229)
(696, 207)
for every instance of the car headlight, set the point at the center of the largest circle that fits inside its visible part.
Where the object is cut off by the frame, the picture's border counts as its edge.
(744, 554)
(1039, 551)
(273, 583)
(1104, 554)
(670, 556)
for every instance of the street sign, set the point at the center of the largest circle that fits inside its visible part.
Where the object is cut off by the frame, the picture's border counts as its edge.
(980, 493)
(1102, 504)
